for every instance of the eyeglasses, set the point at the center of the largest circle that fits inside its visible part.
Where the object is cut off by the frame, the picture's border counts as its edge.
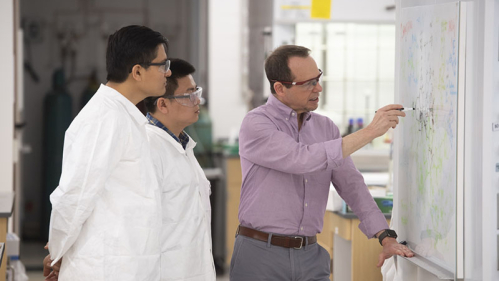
(307, 84)
(163, 66)
(188, 99)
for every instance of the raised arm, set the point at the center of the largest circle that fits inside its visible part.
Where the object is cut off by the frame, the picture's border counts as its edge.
(386, 117)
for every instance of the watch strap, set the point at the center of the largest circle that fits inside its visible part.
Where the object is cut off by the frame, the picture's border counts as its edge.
(386, 233)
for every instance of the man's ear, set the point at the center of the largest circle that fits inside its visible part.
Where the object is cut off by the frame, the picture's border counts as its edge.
(279, 89)
(137, 72)
(163, 106)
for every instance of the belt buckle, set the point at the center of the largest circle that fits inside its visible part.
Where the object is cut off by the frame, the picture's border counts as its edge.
(301, 242)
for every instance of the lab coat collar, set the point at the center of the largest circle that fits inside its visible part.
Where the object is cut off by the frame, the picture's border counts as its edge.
(129, 106)
(190, 145)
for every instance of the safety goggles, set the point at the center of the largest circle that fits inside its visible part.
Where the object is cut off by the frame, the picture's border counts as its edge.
(307, 84)
(189, 99)
(163, 67)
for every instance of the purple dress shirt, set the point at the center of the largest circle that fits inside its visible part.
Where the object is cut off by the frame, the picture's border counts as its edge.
(287, 173)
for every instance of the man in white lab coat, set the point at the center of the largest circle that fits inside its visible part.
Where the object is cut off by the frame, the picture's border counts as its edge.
(186, 233)
(106, 211)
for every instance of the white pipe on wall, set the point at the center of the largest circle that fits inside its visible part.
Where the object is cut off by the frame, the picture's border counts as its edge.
(227, 105)
(7, 104)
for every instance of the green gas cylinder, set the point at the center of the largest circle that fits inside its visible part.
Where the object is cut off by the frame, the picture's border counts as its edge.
(57, 117)
(201, 133)
(90, 90)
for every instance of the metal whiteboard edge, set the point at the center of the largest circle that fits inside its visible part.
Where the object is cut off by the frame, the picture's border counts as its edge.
(460, 142)
(425, 264)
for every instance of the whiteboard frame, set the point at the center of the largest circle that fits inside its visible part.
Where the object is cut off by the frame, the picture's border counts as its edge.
(460, 191)
(461, 114)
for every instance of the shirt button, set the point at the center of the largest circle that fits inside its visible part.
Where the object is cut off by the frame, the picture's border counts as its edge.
(293, 114)
(301, 228)
(287, 118)
(306, 205)
(306, 180)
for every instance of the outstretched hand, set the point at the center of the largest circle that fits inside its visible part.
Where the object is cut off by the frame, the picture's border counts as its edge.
(392, 247)
(386, 117)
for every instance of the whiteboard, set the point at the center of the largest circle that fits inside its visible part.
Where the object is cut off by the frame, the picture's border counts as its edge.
(428, 141)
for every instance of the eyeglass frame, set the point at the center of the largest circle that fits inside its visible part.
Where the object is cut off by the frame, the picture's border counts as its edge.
(166, 63)
(185, 95)
(299, 83)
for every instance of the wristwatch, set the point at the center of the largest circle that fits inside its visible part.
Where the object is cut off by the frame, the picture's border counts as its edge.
(387, 233)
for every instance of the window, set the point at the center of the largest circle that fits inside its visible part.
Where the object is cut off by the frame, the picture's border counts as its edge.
(358, 61)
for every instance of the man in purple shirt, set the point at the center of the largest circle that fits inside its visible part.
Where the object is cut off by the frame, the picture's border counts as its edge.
(289, 157)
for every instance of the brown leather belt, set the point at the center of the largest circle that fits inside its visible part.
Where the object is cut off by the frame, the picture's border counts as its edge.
(296, 242)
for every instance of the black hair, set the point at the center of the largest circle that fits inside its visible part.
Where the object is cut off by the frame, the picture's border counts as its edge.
(129, 46)
(180, 69)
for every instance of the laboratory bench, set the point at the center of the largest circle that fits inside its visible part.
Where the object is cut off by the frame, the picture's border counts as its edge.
(354, 257)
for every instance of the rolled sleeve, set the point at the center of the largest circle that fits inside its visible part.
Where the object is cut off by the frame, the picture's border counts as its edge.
(373, 223)
(334, 152)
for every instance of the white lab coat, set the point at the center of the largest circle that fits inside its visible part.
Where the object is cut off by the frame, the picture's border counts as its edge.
(186, 230)
(106, 211)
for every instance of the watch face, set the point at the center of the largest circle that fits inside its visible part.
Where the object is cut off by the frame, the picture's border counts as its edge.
(391, 233)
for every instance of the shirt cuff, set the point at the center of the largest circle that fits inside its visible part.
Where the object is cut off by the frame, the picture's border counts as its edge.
(373, 224)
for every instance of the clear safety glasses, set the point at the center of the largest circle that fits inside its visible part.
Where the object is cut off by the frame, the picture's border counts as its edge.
(189, 99)
(163, 67)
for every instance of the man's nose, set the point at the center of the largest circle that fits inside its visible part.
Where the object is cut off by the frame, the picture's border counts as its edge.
(318, 87)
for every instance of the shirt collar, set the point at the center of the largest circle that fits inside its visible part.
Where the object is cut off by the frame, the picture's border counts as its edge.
(129, 106)
(284, 110)
(183, 139)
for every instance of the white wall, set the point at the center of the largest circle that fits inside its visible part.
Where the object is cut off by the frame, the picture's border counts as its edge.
(363, 11)
(7, 102)
(360, 11)
(341, 10)
(490, 186)
(225, 61)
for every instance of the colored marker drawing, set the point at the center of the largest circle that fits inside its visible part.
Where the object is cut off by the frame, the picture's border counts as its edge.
(427, 152)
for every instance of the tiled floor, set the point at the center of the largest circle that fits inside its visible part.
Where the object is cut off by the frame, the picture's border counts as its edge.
(32, 255)
(38, 276)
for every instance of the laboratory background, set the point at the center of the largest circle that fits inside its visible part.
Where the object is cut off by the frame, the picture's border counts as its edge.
(52, 55)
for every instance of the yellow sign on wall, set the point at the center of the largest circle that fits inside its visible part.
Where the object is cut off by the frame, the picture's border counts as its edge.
(321, 9)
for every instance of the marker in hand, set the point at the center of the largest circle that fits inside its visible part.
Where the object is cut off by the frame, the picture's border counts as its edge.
(403, 109)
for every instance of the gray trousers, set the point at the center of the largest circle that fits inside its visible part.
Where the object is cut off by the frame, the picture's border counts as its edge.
(254, 260)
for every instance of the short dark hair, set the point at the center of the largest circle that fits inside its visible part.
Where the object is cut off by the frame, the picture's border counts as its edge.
(180, 69)
(129, 46)
(276, 65)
